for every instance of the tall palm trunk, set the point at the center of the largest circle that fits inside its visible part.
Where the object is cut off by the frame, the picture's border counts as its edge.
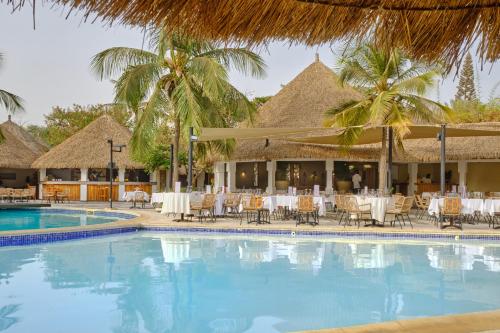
(382, 163)
(175, 161)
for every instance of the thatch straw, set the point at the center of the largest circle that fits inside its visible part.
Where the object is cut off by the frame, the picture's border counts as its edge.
(89, 148)
(301, 103)
(19, 148)
(433, 29)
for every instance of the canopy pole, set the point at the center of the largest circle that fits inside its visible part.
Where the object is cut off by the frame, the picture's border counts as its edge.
(190, 160)
(170, 171)
(442, 138)
(389, 162)
(110, 173)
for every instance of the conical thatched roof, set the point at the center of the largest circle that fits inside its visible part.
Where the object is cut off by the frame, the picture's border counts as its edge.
(89, 148)
(301, 103)
(19, 148)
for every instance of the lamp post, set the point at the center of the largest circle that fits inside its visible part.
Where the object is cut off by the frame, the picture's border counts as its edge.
(442, 138)
(112, 149)
(192, 138)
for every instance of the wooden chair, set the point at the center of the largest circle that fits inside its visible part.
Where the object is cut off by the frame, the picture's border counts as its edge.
(139, 197)
(207, 204)
(401, 211)
(231, 204)
(48, 195)
(63, 196)
(305, 206)
(354, 209)
(341, 207)
(31, 192)
(17, 194)
(452, 210)
(5, 194)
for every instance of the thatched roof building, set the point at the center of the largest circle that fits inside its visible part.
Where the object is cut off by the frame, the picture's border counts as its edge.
(89, 148)
(301, 103)
(433, 29)
(19, 149)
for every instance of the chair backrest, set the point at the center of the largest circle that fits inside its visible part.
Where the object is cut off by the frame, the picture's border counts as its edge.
(209, 200)
(340, 202)
(247, 201)
(258, 202)
(398, 201)
(305, 203)
(351, 203)
(32, 190)
(407, 204)
(452, 206)
(139, 196)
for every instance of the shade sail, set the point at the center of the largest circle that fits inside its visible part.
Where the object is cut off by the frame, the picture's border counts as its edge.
(434, 29)
(374, 135)
(210, 134)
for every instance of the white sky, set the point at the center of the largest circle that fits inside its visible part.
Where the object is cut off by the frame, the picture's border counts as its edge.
(49, 66)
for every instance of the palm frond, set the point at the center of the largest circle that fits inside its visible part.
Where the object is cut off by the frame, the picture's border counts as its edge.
(10, 101)
(240, 59)
(115, 60)
(135, 84)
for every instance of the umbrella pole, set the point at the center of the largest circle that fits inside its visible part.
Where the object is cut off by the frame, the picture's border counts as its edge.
(442, 138)
(389, 162)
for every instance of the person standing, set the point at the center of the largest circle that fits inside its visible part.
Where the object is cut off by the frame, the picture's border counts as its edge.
(356, 181)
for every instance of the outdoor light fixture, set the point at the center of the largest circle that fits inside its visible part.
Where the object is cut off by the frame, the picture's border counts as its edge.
(243, 174)
(112, 149)
(192, 138)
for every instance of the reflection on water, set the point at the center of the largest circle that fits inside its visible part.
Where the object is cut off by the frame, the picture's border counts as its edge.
(191, 283)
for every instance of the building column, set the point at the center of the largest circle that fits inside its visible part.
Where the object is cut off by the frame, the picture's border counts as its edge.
(231, 176)
(84, 178)
(462, 174)
(153, 178)
(42, 174)
(413, 175)
(271, 177)
(329, 176)
(218, 175)
(121, 184)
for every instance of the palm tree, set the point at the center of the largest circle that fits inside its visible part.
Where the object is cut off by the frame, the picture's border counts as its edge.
(392, 88)
(8, 100)
(183, 81)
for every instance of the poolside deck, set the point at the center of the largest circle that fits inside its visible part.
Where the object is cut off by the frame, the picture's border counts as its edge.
(151, 218)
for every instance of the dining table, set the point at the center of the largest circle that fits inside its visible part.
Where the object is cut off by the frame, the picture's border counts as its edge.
(378, 207)
(273, 202)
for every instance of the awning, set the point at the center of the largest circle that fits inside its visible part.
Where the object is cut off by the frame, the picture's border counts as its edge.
(374, 134)
(211, 134)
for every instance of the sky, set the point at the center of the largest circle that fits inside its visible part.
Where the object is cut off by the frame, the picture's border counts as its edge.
(49, 66)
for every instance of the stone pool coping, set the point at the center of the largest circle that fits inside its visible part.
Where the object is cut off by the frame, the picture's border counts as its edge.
(477, 322)
(147, 220)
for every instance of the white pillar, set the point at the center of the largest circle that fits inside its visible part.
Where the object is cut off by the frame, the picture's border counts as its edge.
(84, 178)
(462, 174)
(41, 178)
(412, 181)
(231, 176)
(218, 175)
(121, 184)
(329, 176)
(271, 177)
(153, 178)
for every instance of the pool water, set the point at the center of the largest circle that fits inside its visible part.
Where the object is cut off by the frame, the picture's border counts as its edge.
(22, 219)
(163, 282)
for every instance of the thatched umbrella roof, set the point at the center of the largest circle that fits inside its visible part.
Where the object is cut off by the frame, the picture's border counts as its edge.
(88, 148)
(435, 29)
(301, 104)
(19, 148)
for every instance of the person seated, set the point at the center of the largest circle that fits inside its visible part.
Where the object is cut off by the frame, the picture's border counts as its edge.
(427, 179)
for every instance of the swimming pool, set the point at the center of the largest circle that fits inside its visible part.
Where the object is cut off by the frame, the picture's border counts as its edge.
(165, 282)
(24, 219)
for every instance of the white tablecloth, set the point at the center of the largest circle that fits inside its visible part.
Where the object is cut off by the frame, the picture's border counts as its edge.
(273, 201)
(491, 206)
(469, 206)
(129, 196)
(178, 203)
(379, 205)
(158, 197)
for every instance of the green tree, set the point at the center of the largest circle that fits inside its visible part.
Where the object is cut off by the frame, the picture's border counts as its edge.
(9, 101)
(182, 81)
(392, 87)
(62, 123)
(476, 111)
(466, 89)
